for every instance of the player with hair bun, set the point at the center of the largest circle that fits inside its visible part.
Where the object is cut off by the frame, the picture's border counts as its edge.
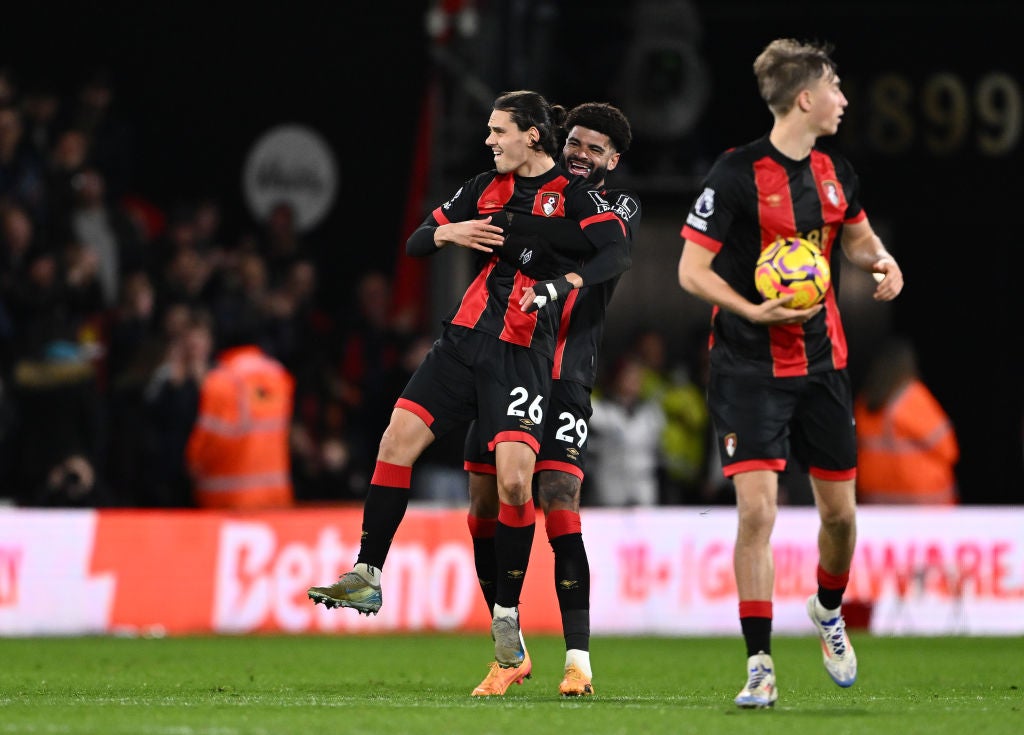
(493, 361)
(598, 134)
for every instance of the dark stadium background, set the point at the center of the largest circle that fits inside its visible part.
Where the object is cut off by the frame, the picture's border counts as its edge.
(201, 82)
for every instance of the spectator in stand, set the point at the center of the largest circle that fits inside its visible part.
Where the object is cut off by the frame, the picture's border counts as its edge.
(40, 107)
(238, 452)
(189, 276)
(321, 457)
(207, 219)
(83, 295)
(323, 467)
(625, 434)
(291, 317)
(22, 173)
(171, 404)
(135, 349)
(906, 446)
(18, 238)
(111, 139)
(8, 86)
(134, 328)
(280, 242)
(680, 390)
(59, 436)
(370, 367)
(105, 230)
(68, 157)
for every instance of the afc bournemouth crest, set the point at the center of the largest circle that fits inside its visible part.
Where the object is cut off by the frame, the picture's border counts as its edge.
(730, 444)
(549, 201)
(831, 192)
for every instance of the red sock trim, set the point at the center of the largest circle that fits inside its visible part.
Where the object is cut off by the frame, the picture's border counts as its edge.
(833, 581)
(756, 609)
(562, 523)
(481, 527)
(391, 475)
(517, 516)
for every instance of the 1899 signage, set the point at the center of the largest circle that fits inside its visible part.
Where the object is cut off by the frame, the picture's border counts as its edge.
(943, 114)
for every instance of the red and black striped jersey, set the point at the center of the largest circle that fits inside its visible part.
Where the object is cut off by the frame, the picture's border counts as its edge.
(582, 325)
(751, 196)
(491, 302)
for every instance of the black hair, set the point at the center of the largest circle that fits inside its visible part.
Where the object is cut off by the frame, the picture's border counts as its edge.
(530, 110)
(605, 119)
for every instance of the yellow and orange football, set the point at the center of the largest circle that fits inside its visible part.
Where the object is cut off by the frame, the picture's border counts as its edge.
(795, 266)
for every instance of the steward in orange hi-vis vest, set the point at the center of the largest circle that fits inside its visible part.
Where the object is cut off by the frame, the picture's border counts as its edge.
(238, 452)
(906, 451)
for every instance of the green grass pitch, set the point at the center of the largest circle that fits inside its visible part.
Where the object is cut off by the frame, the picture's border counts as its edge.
(391, 685)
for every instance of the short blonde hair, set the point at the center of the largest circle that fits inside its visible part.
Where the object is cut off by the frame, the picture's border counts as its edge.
(787, 66)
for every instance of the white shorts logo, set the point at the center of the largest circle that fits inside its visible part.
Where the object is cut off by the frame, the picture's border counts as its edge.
(730, 444)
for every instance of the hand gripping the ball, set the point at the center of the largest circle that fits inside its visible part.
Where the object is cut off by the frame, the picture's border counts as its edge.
(549, 291)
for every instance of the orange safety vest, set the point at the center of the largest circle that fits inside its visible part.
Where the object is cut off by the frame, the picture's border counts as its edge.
(238, 452)
(906, 451)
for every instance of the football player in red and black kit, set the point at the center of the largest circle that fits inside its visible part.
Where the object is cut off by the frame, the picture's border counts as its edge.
(779, 390)
(493, 361)
(598, 134)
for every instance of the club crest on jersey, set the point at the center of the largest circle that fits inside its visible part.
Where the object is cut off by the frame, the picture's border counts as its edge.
(549, 201)
(730, 444)
(831, 192)
(705, 204)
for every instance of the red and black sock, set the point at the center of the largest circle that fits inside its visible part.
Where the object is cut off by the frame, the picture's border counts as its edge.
(756, 623)
(383, 511)
(482, 531)
(513, 539)
(572, 576)
(831, 588)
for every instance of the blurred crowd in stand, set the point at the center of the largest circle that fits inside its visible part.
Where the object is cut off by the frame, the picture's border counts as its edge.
(111, 306)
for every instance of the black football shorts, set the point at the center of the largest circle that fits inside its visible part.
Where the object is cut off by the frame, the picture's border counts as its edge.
(472, 375)
(564, 446)
(765, 422)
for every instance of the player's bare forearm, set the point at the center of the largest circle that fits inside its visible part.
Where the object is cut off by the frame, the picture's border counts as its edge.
(865, 249)
(475, 234)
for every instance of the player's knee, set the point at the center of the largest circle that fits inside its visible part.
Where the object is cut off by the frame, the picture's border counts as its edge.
(515, 488)
(839, 521)
(558, 491)
(403, 442)
(483, 496)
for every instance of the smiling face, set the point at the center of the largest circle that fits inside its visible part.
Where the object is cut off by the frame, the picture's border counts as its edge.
(589, 153)
(510, 145)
